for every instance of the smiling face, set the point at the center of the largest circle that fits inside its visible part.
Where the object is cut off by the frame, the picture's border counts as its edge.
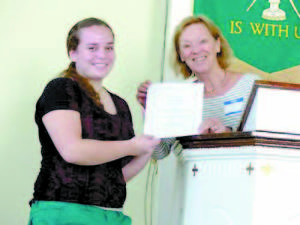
(94, 55)
(198, 48)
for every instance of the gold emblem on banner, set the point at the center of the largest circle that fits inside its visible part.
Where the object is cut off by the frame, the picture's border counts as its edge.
(274, 12)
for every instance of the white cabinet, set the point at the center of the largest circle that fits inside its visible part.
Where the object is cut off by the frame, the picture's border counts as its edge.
(235, 180)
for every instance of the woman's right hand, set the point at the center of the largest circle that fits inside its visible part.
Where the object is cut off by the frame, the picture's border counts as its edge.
(142, 92)
(213, 125)
(144, 144)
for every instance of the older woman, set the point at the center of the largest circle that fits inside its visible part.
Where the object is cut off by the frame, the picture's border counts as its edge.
(202, 51)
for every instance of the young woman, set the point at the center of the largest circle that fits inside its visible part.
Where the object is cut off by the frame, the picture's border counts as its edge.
(200, 50)
(89, 150)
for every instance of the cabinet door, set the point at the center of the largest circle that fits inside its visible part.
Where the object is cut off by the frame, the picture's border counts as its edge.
(218, 192)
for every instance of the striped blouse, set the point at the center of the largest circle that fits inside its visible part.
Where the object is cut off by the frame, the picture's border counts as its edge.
(228, 108)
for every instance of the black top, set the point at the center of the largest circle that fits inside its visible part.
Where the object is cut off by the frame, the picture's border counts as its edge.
(101, 185)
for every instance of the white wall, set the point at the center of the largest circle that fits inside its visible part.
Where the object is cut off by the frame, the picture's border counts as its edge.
(33, 51)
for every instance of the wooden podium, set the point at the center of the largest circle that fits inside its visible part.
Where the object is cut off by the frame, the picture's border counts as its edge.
(242, 178)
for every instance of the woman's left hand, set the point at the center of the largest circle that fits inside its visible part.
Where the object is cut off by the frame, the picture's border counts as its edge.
(141, 94)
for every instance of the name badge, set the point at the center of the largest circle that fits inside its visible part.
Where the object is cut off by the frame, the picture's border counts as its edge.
(233, 106)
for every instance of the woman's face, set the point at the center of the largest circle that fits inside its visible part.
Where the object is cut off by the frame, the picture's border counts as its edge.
(94, 55)
(198, 48)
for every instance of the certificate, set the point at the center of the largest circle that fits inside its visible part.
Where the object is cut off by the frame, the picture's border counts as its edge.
(173, 109)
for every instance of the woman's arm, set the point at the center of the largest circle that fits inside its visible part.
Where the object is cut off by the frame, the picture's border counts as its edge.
(135, 166)
(161, 151)
(64, 128)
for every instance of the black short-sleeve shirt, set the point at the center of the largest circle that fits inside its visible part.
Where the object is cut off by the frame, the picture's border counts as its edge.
(101, 185)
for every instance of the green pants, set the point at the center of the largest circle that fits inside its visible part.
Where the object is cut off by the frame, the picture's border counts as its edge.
(63, 213)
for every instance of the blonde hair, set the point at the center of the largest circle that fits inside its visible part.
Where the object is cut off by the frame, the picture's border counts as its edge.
(223, 56)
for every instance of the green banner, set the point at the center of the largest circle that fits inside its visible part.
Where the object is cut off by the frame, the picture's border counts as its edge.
(262, 33)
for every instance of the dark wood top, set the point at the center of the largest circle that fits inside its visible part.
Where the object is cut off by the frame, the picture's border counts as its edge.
(236, 139)
(278, 85)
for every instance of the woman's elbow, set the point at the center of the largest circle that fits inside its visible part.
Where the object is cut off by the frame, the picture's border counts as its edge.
(68, 153)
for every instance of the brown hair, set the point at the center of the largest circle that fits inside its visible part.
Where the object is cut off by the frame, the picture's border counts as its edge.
(72, 44)
(223, 56)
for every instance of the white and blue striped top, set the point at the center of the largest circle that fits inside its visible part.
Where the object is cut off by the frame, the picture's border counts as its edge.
(228, 108)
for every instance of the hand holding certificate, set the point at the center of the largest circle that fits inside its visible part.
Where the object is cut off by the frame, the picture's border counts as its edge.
(173, 109)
